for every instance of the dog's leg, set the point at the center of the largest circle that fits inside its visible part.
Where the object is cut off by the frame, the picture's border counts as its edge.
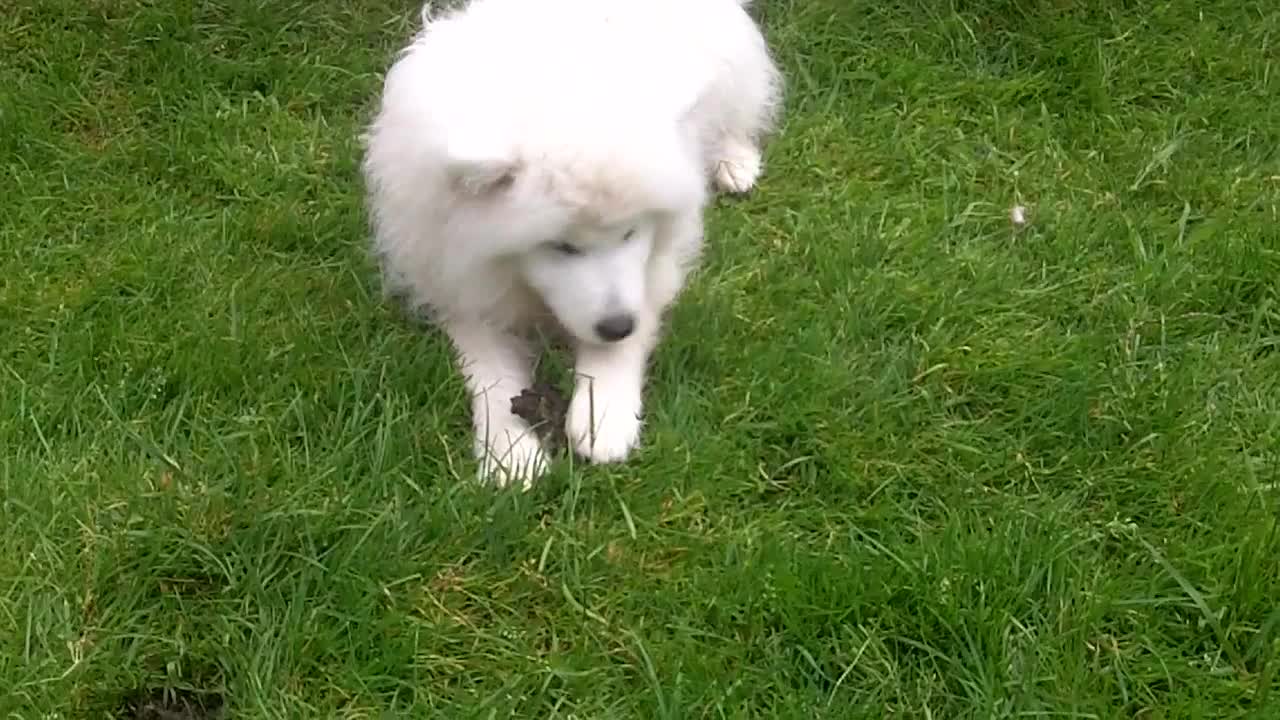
(603, 422)
(496, 366)
(739, 165)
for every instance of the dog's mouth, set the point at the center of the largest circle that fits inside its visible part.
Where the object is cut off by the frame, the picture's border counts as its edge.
(549, 329)
(552, 331)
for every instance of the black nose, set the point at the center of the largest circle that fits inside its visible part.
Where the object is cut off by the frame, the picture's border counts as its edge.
(615, 327)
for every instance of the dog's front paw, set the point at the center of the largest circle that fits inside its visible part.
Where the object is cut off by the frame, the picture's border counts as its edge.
(603, 424)
(739, 168)
(511, 455)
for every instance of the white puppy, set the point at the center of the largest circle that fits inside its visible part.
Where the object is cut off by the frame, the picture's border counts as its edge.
(547, 164)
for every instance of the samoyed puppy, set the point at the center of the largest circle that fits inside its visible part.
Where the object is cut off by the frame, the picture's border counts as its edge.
(546, 164)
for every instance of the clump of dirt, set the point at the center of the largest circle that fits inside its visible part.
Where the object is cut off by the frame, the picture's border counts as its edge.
(171, 704)
(544, 407)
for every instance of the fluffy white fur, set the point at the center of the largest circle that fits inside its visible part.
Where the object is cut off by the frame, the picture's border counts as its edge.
(547, 164)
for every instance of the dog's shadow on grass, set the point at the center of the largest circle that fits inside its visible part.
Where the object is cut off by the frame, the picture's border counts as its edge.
(171, 704)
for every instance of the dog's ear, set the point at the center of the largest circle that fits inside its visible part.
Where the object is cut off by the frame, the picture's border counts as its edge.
(476, 170)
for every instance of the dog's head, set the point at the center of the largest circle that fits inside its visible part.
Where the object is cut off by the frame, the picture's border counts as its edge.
(583, 221)
(594, 277)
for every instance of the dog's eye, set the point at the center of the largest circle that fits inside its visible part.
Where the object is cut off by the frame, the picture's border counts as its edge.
(565, 248)
(626, 237)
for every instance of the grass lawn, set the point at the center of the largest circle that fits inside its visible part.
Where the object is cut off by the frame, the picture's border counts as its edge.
(903, 459)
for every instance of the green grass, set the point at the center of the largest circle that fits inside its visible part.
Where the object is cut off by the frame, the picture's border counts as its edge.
(903, 459)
